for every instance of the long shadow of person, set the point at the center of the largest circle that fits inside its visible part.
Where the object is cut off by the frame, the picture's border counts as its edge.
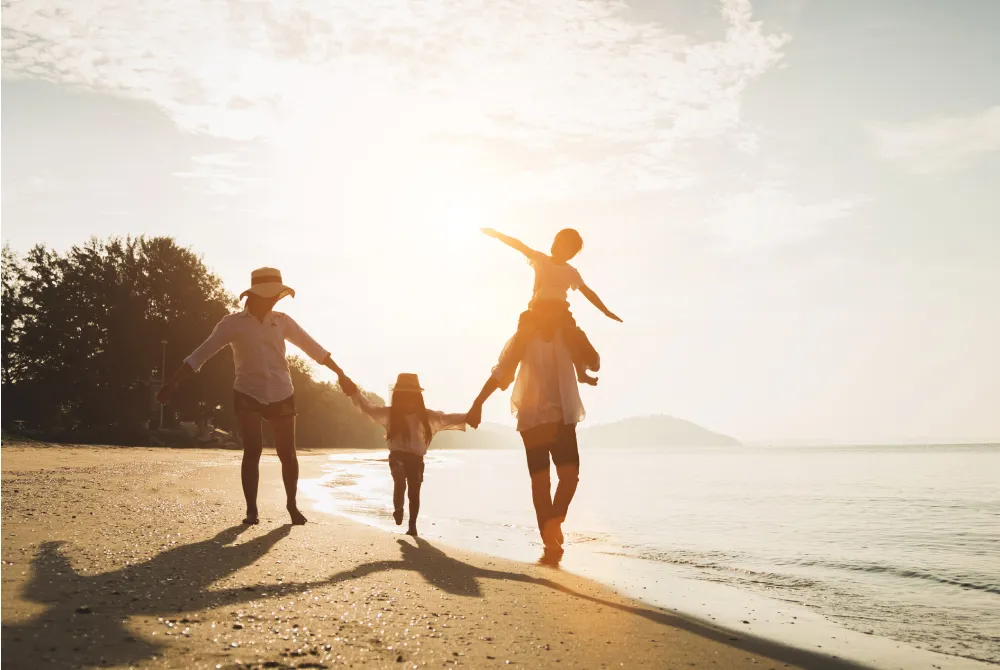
(453, 576)
(438, 568)
(83, 623)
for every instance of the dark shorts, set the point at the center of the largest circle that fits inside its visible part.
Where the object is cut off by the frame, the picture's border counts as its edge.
(243, 403)
(556, 439)
(406, 465)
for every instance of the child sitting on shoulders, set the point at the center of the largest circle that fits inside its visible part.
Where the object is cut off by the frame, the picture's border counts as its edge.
(554, 277)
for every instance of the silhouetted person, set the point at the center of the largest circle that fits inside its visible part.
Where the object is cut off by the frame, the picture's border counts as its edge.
(263, 387)
(409, 429)
(546, 401)
(554, 277)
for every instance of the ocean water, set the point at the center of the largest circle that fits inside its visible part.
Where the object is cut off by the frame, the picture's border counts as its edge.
(901, 543)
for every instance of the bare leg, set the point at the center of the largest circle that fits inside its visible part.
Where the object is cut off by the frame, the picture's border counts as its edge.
(398, 491)
(585, 357)
(413, 480)
(541, 496)
(548, 524)
(569, 478)
(284, 440)
(250, 424)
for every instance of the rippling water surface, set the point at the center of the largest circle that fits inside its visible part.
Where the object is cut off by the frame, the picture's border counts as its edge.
(900, 542)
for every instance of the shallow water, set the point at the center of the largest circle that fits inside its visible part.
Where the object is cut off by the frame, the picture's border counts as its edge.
(897, 542)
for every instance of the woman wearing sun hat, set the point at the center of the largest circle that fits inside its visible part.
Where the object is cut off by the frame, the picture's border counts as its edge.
(409, 429)
(263, 386)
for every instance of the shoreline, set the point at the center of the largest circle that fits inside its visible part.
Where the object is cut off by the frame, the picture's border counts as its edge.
(672, 589)
(130, 555)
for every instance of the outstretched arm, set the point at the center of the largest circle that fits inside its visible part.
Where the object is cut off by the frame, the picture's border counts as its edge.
(512, 242)
(441, 421)
(475, 415)
(592, 297)
(378, 414)
(295, 334)
(219, 338)
(503, 375)
(164, 394)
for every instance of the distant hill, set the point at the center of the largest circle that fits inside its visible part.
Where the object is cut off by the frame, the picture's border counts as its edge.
(488, 436)
(640, 431)
(653, 431)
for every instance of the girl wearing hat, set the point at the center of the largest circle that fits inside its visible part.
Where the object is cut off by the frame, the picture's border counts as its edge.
(263, 386)
(409, 428)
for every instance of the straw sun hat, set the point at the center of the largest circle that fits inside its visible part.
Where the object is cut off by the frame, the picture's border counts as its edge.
(266, 282)
(406, 382)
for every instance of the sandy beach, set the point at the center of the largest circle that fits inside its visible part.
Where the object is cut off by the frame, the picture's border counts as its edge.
(131, 557)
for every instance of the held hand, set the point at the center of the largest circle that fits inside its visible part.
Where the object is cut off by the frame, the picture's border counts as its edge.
(163, 396)
(347, 385)
(475, 416)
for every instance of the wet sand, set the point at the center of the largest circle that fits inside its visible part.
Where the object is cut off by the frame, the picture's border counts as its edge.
(130, 557)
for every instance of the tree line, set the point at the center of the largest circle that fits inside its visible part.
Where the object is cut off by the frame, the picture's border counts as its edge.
(82, 348)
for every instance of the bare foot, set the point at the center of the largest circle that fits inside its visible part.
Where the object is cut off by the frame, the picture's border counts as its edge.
(552, 535)
(551, 557)
(585, 378)
(251, 518)
(397, 516)
(297, 518)
(412, 530)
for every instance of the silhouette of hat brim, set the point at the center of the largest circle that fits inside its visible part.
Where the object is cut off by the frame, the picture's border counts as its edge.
(270, 290)
(406, 382)
(267, 283)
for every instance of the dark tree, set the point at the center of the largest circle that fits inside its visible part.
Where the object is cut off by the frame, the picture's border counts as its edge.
(82, 335)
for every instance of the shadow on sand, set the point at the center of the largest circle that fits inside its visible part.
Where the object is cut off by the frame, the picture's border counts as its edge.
(459, 578)
(83, 623)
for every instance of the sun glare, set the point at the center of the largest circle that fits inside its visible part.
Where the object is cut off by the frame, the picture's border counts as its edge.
(399, 186)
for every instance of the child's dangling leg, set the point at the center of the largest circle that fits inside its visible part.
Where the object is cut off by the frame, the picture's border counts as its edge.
(556, 314)
(398, 488)
(585, 357)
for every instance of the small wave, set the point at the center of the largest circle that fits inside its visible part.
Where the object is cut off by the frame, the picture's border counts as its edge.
(905, 573)
(734, 573)
(725, 563)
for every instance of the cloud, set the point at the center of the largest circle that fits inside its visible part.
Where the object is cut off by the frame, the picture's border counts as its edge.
(942, 144)
(609, 102)
(768, 217)
(225, 174)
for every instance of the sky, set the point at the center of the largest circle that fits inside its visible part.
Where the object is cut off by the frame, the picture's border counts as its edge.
(791, 203)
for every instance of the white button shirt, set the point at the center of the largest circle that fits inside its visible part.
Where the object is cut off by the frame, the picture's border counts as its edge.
(258, 352)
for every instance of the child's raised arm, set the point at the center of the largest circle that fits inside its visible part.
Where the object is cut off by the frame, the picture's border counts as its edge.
(377, 414)
(440, 421)
(512, 242)
(592, 297)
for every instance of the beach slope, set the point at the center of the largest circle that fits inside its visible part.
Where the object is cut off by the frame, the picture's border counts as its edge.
(130, 557)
